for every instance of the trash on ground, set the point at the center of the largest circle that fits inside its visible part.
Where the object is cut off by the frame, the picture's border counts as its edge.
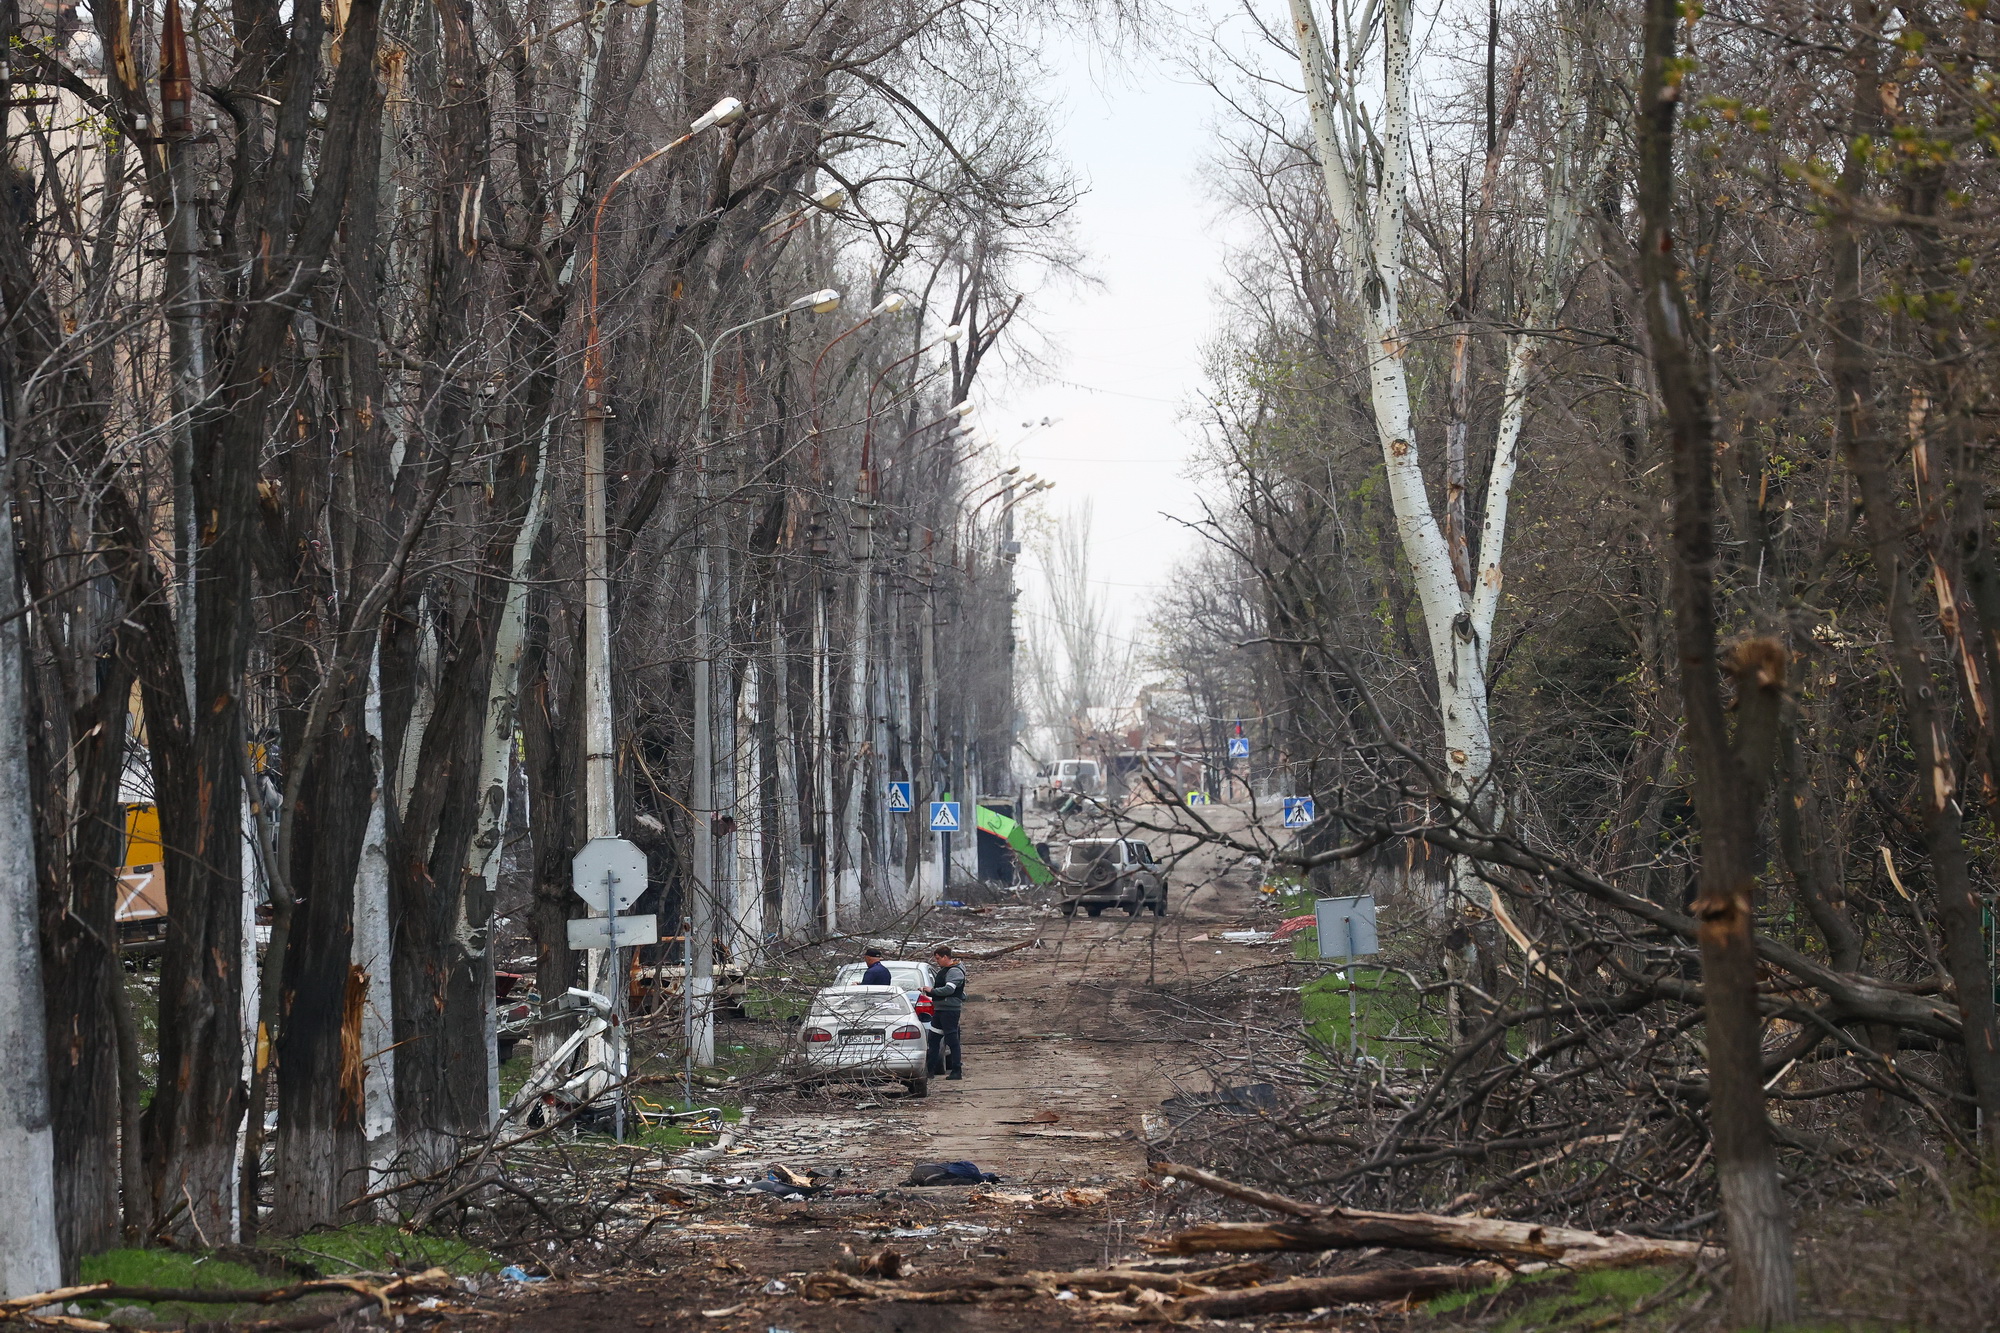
(949, 1173)
(1294, 925)
(1245, 936)
(884, 1263)
(776, 1286)
(515, 1273)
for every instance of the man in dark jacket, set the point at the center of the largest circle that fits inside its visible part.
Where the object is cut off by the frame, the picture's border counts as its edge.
(947, 992)
(877, 974)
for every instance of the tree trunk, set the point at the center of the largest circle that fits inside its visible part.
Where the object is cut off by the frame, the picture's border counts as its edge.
(30, 1259)
(1731, 773)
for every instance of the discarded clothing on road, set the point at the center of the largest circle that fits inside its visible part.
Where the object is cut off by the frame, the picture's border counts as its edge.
(949, 1173)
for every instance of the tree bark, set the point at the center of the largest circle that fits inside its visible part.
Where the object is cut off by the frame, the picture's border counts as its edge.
(30, 1259)
(1731, 773)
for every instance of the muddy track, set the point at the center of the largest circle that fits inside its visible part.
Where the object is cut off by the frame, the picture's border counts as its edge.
(1077, 1028)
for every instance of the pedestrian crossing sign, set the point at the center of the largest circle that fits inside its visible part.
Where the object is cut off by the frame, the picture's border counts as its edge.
(899, 798)
(944, 816)
(1239, 747)
(1197, 798)
(1298, 811)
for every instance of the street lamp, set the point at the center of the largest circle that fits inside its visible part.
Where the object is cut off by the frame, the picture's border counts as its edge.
(698, 951)
(951, 334)
(888, 305)
(600, 819)
(600, 812)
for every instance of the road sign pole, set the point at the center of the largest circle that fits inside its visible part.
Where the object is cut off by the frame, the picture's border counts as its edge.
(1350, 990)
(619, 1055)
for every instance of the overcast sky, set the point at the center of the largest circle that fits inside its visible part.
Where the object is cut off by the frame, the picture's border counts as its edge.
(1127, 367)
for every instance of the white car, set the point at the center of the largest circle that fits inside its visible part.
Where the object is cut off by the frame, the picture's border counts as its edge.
(906, 976)
(867, 1031)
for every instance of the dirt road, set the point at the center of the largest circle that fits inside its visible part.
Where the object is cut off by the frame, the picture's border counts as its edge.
(1069, 1052)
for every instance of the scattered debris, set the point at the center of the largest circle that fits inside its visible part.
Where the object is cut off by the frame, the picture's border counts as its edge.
(886, 1263)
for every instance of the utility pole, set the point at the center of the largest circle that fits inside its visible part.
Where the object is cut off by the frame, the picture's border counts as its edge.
(606, 976)
(699, 914)
(187, 330)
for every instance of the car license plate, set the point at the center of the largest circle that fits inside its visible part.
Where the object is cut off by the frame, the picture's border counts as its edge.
(861, 1037)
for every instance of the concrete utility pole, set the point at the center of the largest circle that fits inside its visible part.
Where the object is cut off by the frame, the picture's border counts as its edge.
(698, 948)
(599, 760)
(29, 1258)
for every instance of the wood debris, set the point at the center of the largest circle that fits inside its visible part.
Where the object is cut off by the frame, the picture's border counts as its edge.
(1321, 1228)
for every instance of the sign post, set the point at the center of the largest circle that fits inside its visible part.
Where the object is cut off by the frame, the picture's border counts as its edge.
(1346, 930)
(609, 874)
(944, 823)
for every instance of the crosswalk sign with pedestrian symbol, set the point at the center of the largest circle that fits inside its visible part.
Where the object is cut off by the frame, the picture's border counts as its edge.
(1298, 811)
(944, 816)
(1239, 747)
(899, 798)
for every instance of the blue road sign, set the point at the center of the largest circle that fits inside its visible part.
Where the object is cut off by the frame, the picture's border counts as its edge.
(1239, 747)
(1197, 798)
(1298, 811)
(944, 816)
(899, 798)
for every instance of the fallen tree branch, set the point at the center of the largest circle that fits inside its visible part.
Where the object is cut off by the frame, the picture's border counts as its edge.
(1352, 1228)
(1310, 1293)
(20, 1309)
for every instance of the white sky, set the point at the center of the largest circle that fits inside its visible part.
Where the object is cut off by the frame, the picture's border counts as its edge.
(1127, 353)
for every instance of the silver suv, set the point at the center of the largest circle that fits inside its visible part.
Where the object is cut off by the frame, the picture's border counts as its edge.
(1113, 872)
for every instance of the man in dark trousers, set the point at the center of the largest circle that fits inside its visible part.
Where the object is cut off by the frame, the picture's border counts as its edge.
(877, 974)
(947, 992)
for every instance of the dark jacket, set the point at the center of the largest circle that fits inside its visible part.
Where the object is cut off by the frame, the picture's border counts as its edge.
(876, 975)
(948, 988)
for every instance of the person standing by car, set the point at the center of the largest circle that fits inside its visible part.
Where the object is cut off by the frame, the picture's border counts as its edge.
(947, 992)
(877, 973)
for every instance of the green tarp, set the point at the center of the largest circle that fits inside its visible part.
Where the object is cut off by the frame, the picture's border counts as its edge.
(992, 821)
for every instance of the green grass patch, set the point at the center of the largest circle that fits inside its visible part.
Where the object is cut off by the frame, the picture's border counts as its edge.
(1568, 1301)
(173, 1268)
(1386, 1006)
(375, 1248)
(674, 1137)
(776, 1006)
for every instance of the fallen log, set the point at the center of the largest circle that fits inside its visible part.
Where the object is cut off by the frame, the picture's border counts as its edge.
(1310, 1293)
(1200, 1282)
(1119, 1279)
(21, 1308)
(1322, 1228)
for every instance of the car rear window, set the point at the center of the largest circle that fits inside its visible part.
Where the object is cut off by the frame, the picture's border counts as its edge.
(1083, 853)
(855, 1007)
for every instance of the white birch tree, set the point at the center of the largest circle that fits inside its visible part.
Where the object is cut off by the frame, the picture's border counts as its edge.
(1373, 223)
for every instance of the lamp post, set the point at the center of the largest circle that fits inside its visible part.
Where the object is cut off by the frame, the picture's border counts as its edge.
(699, 912)
(846, 883)
(951, 334)
(600, 817)
(600, 811)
